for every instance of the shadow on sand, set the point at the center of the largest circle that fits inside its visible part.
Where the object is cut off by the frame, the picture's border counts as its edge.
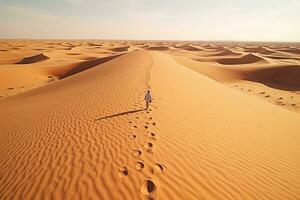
(120, 114)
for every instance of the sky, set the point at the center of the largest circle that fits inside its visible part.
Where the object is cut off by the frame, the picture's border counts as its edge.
(238, 20)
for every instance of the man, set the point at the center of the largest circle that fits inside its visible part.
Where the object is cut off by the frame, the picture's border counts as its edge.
(148, 99)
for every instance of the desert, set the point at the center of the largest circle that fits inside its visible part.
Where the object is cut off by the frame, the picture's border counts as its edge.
(223, 123)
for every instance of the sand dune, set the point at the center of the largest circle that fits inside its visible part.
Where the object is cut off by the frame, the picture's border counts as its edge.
(120, 49)
(88, 136)
(295, 51)
(261, 50)
(189, 48)
(284, 78)
(225, 52)
(33, 59)
(79, 67)
(158, 48)
(246, 59)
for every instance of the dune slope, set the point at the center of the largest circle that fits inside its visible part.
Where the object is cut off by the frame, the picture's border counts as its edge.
(246, 59)
(33, 59)
(89, 137)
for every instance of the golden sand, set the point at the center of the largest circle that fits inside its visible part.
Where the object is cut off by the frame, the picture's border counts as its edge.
(224, 122)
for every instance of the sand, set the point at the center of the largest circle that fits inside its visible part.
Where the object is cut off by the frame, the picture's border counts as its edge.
(73, 123)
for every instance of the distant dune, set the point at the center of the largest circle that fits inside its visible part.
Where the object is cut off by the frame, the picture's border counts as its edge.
(225, 52)
(261, 50)
(295, 51)
(120, 49)
(158, 48)
(189, 48)
(246, 59)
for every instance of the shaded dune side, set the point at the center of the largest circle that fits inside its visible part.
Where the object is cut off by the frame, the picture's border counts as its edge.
(87, 65)
(282, 57)
(119, 49)
(295, 51)
(261, 50)
(33, 59)
(284, 77)
(158, 48)
(188, 48)
(246, 59)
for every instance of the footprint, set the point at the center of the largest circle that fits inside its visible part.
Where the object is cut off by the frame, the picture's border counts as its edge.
(150, 118)
(148, 146)
(132, 137)
(148, 187)
(293, 104)
(152, 136)
(140, 165)
(146, 127)
(123, 172)
(158, 168)
(154, 123)
(130, 122)
(262, 93)
(267, 96)
(249, 90)
(137, 117)
(135, 126)
(137, 153)
(280, 98)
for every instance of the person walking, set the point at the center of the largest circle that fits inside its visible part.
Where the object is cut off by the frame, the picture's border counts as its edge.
(148, 99)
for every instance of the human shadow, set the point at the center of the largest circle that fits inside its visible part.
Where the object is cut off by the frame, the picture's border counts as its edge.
(120, 114)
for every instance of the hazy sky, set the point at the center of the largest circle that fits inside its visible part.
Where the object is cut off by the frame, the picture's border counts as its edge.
(251, 20)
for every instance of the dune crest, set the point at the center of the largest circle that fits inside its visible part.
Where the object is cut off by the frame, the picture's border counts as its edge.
(225, 52)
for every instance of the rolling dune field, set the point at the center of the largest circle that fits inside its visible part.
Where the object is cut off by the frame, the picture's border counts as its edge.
(224, 122)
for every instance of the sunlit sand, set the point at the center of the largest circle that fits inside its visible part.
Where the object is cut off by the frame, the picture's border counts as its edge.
(223, 124)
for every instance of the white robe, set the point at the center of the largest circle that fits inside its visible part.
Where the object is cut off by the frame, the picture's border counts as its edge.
(148, 97)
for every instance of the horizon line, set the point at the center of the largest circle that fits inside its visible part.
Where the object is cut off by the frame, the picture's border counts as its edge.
(169, 40)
